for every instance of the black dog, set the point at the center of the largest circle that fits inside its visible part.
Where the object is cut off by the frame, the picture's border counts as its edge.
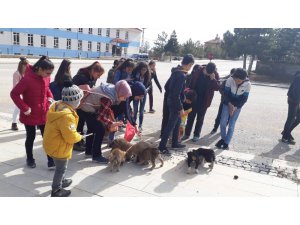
(199, 156)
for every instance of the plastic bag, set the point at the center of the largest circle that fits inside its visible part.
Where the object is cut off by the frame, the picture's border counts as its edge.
(129, 132)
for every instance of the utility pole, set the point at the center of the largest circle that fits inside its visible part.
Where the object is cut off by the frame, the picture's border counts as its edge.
(142, 47)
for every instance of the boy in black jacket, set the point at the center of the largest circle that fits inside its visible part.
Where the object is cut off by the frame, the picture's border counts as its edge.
(174, 93)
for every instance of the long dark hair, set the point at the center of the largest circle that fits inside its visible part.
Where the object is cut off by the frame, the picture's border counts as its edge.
(23, 62)
(62, 71)
(96, 66)
(44, 63)
(125, 64)
(138, 69)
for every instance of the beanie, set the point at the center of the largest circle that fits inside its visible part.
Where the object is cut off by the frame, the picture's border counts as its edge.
(123, 89)
(138, 88)
(71, 94)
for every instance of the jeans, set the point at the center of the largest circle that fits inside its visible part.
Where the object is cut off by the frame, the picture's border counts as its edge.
(59, 175)
(93, 142)
(200, 112)
(292, 120)
(227, 134)
(142, 103)
(30, 137)
(172, 125)
(218, 118)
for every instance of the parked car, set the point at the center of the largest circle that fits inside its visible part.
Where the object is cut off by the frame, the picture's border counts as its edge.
(140, 57)
(177, 58)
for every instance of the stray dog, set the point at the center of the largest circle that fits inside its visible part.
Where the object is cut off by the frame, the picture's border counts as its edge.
(200, 156)
(146, 155)
(116, 159)
(121, 143)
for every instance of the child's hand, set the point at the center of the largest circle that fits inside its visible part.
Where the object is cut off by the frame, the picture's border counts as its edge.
(27, 113)
(212, 76)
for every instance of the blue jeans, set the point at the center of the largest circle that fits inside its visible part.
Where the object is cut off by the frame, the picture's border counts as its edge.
(172, 125)
(227, 135)
(142, 103)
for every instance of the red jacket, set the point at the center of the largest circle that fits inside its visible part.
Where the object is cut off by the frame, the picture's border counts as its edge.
(36, 93)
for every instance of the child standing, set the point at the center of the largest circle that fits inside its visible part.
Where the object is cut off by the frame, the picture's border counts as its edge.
(34, 88)
(61, 134)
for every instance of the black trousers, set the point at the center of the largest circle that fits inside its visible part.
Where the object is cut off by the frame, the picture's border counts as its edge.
(200, 113)
(218, 118)
(30, 137)
(82, 119)
(94, 142)
(150, 92)
(165, 116)
(292, 120)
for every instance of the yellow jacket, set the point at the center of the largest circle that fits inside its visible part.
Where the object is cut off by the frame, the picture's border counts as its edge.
(60, 131)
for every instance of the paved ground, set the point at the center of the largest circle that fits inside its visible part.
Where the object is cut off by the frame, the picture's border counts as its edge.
(264, 165)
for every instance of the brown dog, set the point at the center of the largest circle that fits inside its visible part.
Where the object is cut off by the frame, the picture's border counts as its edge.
(150, 154)
(116, 159)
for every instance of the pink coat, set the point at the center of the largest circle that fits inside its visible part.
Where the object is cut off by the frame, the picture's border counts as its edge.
(36, 94)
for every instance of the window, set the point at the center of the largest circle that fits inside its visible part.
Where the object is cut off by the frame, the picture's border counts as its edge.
(126, 35)
(107, 47)
(43, 41)
(80, 30)
(16, 38)
(79, 44)
(98, 47)
(117, 33)
(30, 39)
(90, 30)
(89, 46)
(99, 31)
(68, 43)
(107, 32)
(68, 29)
(55, 42)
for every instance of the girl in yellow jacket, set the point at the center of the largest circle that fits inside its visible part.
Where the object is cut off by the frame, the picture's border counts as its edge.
(60, 135)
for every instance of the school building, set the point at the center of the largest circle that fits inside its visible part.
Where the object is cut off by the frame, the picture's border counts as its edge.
(70, 42)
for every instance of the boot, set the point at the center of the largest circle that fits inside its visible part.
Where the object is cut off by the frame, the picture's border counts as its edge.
(14, 126)
(60, 193)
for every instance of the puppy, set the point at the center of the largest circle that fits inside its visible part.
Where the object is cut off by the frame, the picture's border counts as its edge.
(116, 159)
(149, 154)
(200, 156)
(121, 143)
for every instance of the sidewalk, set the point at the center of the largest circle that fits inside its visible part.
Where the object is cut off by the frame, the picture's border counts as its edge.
(257, 176)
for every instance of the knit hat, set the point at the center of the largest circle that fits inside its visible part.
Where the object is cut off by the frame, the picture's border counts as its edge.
(137, 88)
(71, 94)
(123, 89)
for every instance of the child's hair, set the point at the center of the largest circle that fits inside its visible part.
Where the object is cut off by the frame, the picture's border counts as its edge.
(125, 64)
(23, 62)
(138, 69)
(210, 68)
(195, 68)
(232, 71)
(43, 63)
(62, 70)
(240, 73)
(151, 62)
(190, 95)
(187, 59)
(116, 62)
(96, 66)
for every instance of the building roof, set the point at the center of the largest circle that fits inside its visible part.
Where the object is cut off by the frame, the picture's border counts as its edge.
(217, 40)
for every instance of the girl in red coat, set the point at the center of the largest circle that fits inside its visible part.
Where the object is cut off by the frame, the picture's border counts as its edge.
(35, 102)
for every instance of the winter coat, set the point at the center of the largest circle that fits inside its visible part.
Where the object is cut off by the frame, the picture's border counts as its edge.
(84, 78)
(56, 89)
(36, 95)
(60, 131)
(237, 95)
(120, 75)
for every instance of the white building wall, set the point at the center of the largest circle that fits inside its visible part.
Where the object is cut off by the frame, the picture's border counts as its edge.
(37, 40)
(49, 42)
(62, 43)
(74, 44)
(6, 38)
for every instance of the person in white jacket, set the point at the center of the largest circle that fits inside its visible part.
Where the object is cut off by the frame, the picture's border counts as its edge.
(17, 76)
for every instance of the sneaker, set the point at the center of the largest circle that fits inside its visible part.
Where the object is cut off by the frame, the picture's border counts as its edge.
(164, 151)
(66, 183)
(14, 126)
(178, 146)
(88, 155)
(225, 146)
(220, 143)
(140, 129)
(195, 139)
(60, 193)
(213, 131)
(51, 165)
(78, 147)
(100, 159)
(31, 163)
(151, 111)
(289, 136)
(288, 141)
(185, 137)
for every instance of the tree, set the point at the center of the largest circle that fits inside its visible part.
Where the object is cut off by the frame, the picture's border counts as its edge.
(172, 47)
(146, 47)
(159, 44)
(194, 48)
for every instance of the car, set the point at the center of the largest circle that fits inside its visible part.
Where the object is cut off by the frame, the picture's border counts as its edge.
(140, 57)
(177, 58)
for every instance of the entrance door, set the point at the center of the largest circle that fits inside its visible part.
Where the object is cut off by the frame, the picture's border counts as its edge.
(113, 50)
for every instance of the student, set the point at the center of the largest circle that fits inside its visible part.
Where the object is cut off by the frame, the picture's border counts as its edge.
(99, 116)
(60, 135)
(111, 72)
(63, 74)
(293, 118)
(17, 76)
(141, 73)
(34, 104)
(221, 90)
(205, 82)
(86, 76)
(152, 66)
(174, 98)
(124, 70)
(236, 94)
(189, 76)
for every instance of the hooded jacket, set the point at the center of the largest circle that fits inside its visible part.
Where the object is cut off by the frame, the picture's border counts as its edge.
(60, 131)
(36, 94)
